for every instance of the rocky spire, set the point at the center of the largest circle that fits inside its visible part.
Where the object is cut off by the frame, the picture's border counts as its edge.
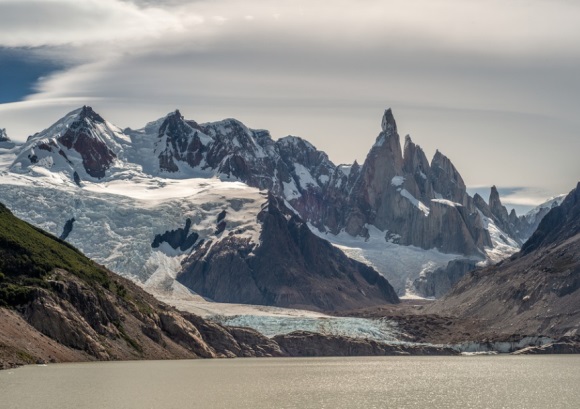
(446, 180)
(3, 136)
(496, 206)
(482, 206)
(388, 123)
(382, 164)
(416, 167)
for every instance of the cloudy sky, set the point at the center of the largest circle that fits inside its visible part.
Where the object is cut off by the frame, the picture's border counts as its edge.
(493, 84)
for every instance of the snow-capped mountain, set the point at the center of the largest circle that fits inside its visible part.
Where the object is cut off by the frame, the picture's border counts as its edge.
(5, 142)
(82, 145)
(142, 201)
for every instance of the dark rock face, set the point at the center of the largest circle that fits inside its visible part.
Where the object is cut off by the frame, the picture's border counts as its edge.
(290, 267)
(558, 225)
(182, 143)
(536, 291)
(305, 344)
(77, 178)
(178, 239)
(438, 282)
(68, 226)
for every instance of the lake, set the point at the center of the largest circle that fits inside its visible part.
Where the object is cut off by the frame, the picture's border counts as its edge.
(373, 382)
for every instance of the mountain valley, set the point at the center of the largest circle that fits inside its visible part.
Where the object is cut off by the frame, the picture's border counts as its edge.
(223, 221)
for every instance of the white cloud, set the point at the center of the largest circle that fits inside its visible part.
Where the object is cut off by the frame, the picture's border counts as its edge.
(478, 79)
(31, 23)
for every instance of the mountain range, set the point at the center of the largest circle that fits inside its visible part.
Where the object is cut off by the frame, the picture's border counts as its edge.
(154, 204)
(205, 216)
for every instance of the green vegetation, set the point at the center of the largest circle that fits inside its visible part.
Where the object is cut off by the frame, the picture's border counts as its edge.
(130, 341)
(28, 255)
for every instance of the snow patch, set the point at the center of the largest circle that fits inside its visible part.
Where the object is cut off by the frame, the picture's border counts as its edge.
(417, 203)
(398, 264)
(503, 245)
(447, 202)
(398, 181)
(305, 179)
(345, 169)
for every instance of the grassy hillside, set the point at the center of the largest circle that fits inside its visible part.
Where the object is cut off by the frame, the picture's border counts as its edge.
(29, 255)
(57, 305)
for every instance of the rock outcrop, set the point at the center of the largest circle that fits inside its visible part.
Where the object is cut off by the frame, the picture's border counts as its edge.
(289, 267)
(67, 229)
(438, 282)
(4, 136)
(5, 141)
(180, 238)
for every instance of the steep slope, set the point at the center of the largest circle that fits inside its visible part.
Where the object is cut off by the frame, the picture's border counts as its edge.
(86, 312)
(289, 267)
(82, 145)
(529, 222)
(536, 291)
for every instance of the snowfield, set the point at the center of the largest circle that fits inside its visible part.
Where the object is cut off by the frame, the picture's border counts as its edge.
(115, 222)
(401, 265)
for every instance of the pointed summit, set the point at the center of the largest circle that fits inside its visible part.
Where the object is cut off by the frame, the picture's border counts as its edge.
(388, 123)
(3, 136)
(81, 144)
(5, 141)
(86, 112)
(446, 179)
(497, 208)
(175, 114)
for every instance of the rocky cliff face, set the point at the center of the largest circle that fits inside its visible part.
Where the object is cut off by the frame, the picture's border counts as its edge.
(438, 282)
(536, 291)
(290, 267)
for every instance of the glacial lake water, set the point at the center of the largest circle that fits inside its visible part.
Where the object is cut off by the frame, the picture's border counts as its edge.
(302, 383)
